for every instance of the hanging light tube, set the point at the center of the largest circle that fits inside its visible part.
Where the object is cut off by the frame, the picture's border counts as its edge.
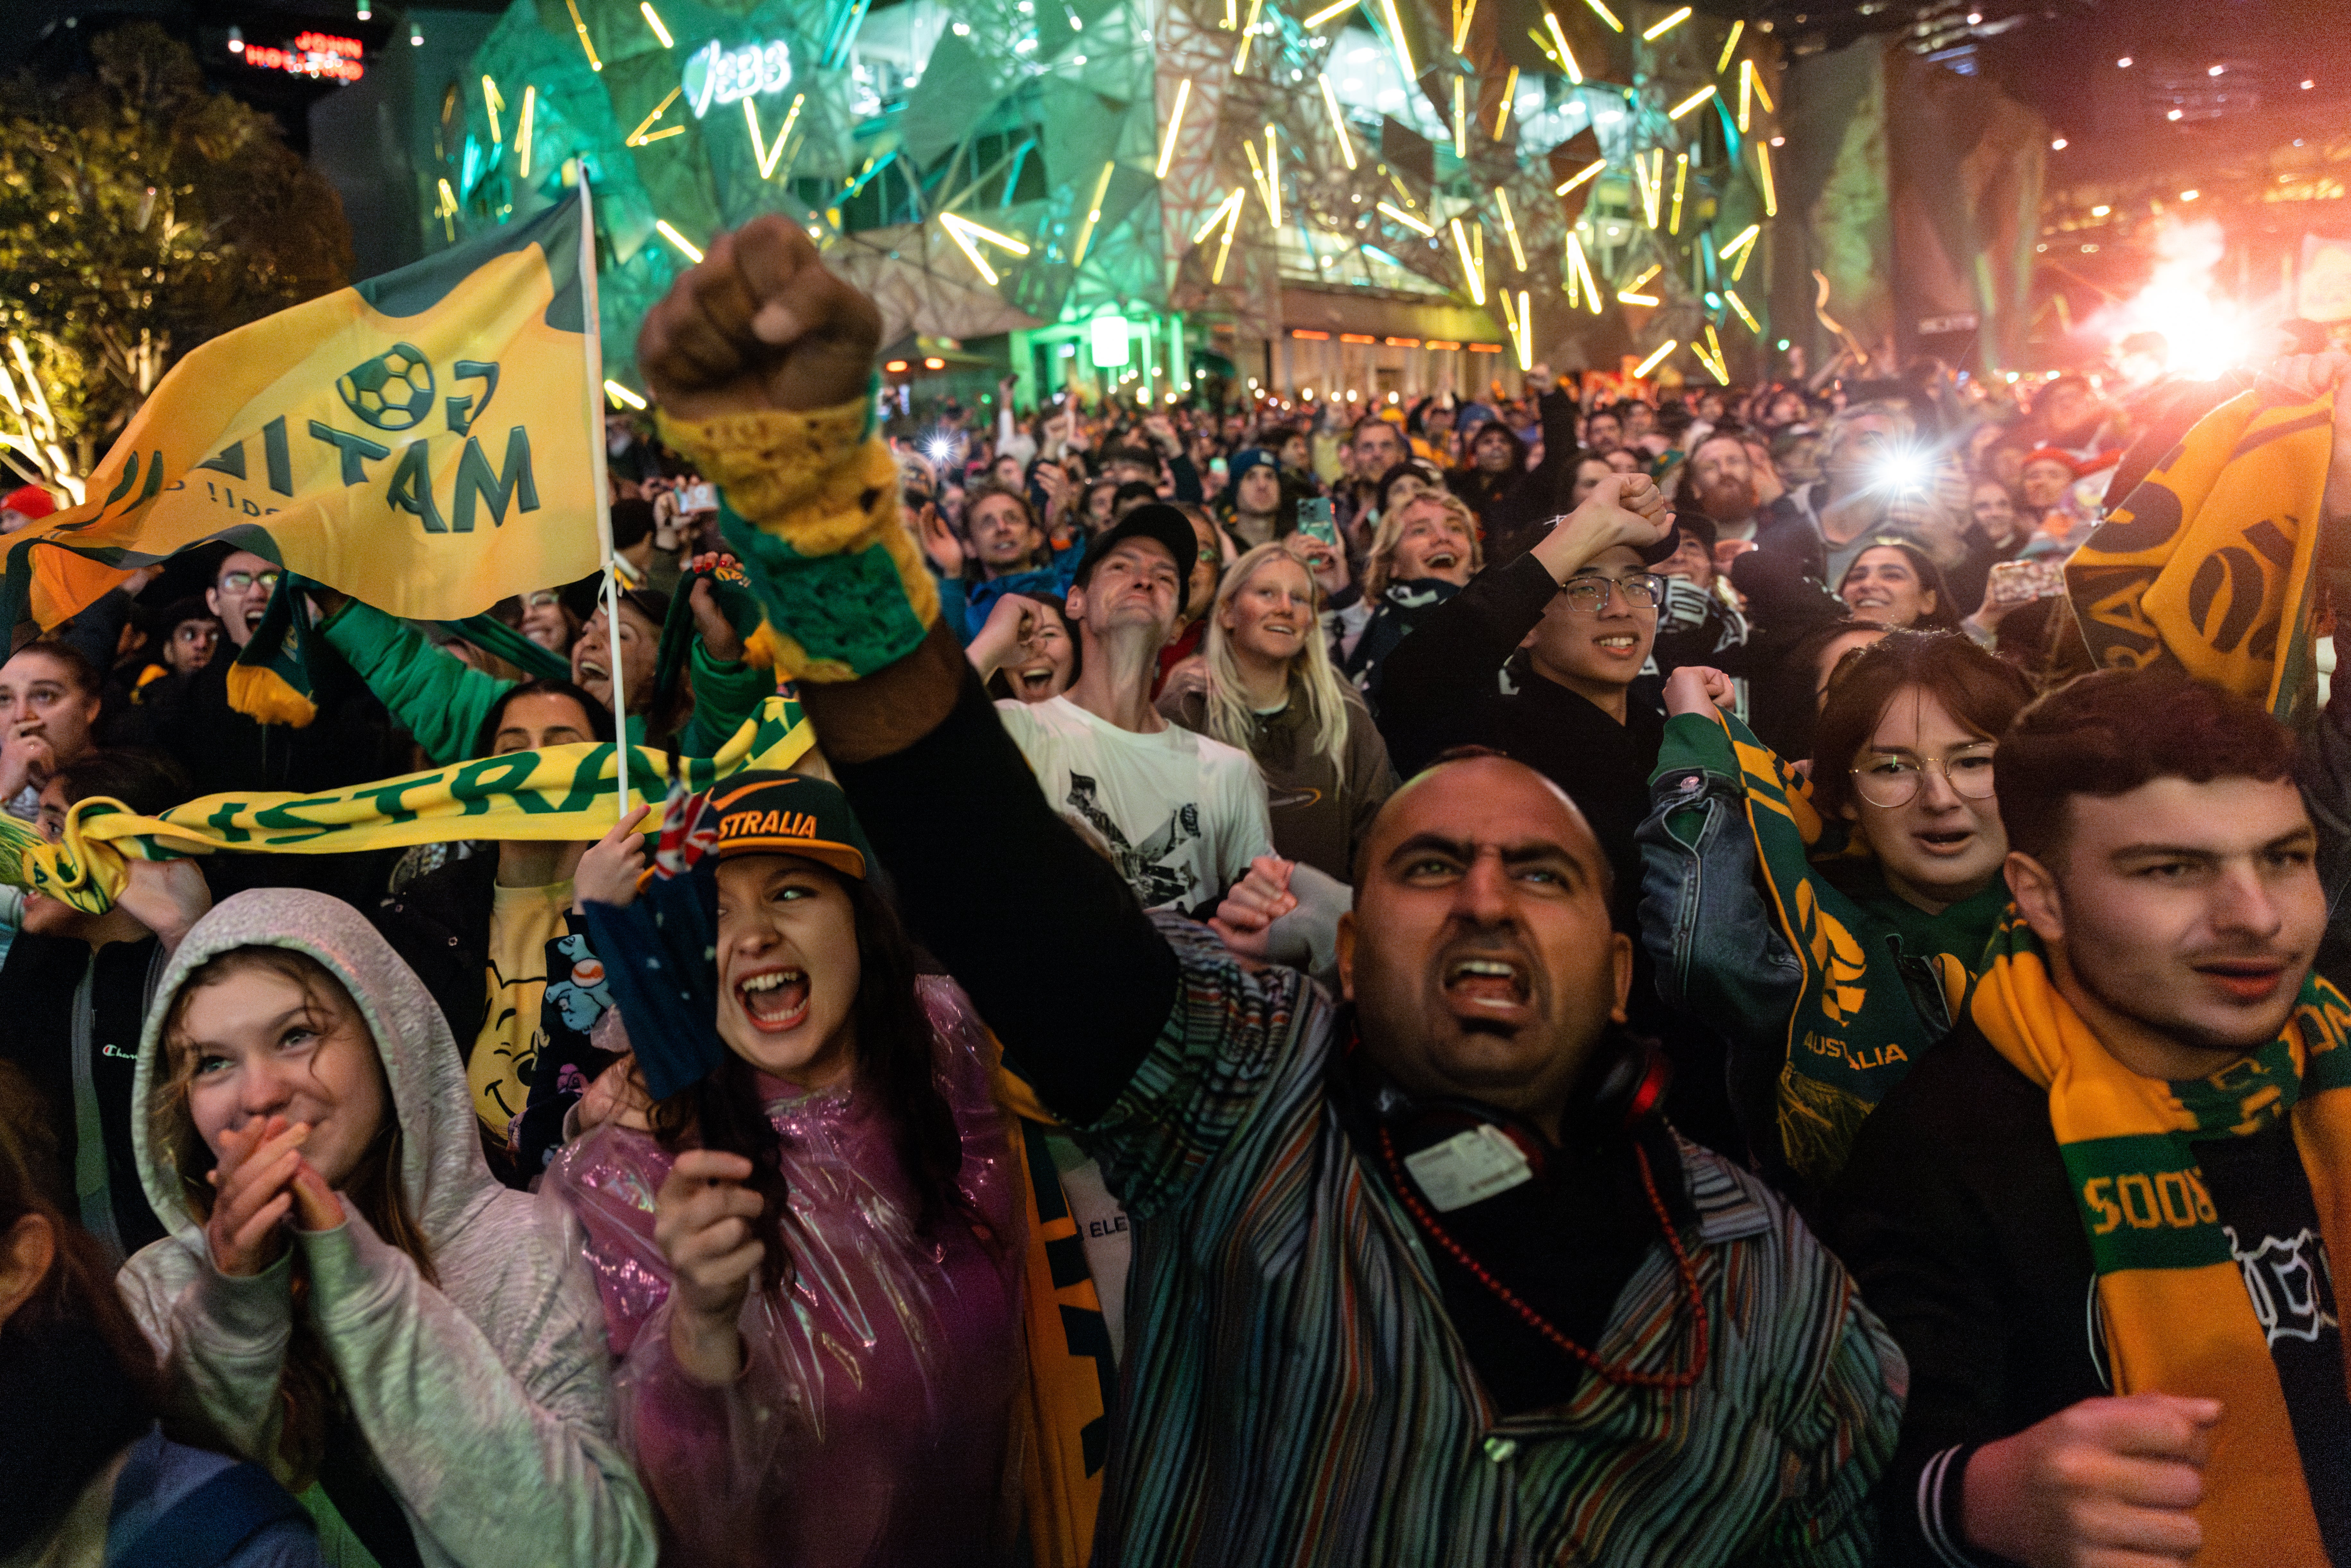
(1566, 54)
(1421, 226)
(1248, 31)
(1681, 180)
(581, 27)
(1654, 359)
(1738, 306)
(1338, 121)
(1174, 124)
(494, 100)
(1225, 246)
(1589, 172)
(1094, 216)
(1272, 176)
(1729, 45)
(1771, 196)
(622, 395)
(1510, 92)
(652, 20)
(1460, 115)
(1692, 101)
(692, 251)
(1396, 36)
(1659, 29)
(1579, 268)
(522, 131)
(1511, 229)
(1468, 267)
(1216, 215)
(1461, 23)
(1606, 15)
(1328, 12)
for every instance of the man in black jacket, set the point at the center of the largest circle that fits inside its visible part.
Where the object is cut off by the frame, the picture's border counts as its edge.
(2175, 890)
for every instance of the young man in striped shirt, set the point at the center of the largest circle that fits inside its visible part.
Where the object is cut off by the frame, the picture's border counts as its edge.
(1416, 1279)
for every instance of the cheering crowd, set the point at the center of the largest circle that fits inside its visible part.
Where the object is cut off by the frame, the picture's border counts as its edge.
(1591, 976)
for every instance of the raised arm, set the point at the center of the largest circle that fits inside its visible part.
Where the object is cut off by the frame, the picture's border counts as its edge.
(760, 360)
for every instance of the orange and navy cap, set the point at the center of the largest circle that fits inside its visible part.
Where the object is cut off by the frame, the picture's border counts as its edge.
(788, 814)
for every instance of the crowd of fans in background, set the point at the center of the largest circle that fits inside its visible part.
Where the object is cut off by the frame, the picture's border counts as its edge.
(1221, 639)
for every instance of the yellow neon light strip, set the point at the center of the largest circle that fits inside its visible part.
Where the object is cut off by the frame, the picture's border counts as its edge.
(1396, 35)
(1094, 216)
(1461, 24)
(1419, 225)
(1175, 123)
(1746, 93)
(981, 231)
(582, 28)
(1714, 343)
(1681, 178)
(622, 394)
(1761, 97)
(1511, 229)
(522, 131)
(1655, 359)
(1248, 31)
(1692, 101)
(1582, 269)
(1527, 331)
(638, 138)
(652, 20)
(1545, 45)
(693, 252)
(1566, 56)
(1771, 196)
(493, 100)
(1328, 12)
(1740, 306)
(1256, 178)
(1590, 171)
(1216, 215)
(1510, 92)
(1273, 174)
(449, 211)
(1667, 25)
(1460, 115)
(1656, 185)
(1338, 121)
(1606, 15)
(1728, 45)
(1225, 246)
(1468, 267)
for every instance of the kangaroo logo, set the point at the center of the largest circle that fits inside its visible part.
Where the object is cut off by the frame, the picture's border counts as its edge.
(1835, 954)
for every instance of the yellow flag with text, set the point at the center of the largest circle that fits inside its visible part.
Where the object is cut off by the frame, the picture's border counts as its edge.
(423, 441)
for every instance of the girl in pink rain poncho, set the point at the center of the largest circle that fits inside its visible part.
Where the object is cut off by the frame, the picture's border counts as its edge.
(809, 1242)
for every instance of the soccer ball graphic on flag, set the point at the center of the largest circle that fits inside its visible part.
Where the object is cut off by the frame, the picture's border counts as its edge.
(392, 392)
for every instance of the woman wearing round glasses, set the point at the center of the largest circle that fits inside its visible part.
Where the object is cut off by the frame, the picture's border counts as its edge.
(1828, 929)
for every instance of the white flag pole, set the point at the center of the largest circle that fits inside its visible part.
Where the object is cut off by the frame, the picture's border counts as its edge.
(594, 340)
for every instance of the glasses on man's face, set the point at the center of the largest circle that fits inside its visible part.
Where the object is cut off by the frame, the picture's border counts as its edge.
(1890, 778)
(1643, 590)
(240, 581)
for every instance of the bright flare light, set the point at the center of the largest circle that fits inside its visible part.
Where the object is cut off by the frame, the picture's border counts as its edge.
(2208, 332)
(620, 394)
(652, 20)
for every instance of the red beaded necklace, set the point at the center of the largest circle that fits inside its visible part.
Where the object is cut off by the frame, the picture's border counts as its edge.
(1623, 1377)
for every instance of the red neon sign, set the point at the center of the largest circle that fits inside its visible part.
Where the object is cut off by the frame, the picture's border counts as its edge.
(313, 55)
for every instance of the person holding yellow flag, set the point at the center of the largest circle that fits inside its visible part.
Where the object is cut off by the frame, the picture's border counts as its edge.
(2102, 1219)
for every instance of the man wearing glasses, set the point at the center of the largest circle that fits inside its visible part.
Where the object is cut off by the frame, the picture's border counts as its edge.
(1535, 658)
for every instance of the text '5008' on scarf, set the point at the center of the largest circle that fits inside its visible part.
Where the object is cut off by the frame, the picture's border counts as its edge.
(2172, 1295)
(560, 793)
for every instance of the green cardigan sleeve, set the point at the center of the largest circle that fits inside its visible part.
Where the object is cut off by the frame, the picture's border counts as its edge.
(441, 700)
(724, 696)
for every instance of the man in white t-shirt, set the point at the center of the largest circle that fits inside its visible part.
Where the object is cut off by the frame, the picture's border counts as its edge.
(1179, 814)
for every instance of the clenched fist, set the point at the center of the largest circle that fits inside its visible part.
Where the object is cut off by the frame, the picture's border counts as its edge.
(759, 323)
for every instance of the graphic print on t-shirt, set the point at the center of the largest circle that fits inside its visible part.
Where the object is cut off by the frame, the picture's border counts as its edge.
(1144, 865)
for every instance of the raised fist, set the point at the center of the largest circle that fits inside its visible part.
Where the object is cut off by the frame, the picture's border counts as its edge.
(759, 323)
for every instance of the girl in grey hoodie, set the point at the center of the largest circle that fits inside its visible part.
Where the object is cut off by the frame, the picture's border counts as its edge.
(347, 1296)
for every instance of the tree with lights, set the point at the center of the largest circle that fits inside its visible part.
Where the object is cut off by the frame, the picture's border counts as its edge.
(140, 215)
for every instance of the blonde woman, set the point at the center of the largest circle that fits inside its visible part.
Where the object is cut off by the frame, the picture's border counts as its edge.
(1271, 691)
(1426, 550)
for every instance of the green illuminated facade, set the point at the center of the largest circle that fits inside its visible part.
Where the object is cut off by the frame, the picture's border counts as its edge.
(1373, 201)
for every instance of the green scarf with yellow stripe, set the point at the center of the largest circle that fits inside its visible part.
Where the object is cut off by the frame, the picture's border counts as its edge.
(2171, 1296)
(1854, 1032)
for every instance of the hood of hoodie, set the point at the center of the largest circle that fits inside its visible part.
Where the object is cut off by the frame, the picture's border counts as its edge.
(442, 1173)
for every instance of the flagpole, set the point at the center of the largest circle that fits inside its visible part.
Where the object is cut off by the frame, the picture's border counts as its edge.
(594, 340)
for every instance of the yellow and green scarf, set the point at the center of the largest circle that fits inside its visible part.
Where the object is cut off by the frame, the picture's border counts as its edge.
(563, 792)
(1855, 1031)
(2171, 1297)
(2208, 565)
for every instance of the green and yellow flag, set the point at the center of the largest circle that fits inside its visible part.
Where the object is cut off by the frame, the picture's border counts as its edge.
(2210, 565)
(561, 793)
(424, 441)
